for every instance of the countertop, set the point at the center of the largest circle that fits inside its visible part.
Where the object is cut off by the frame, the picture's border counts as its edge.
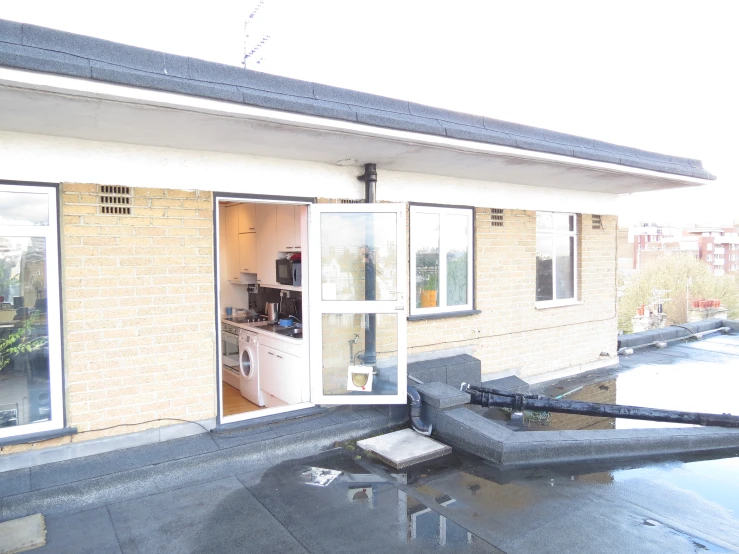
(259, 329)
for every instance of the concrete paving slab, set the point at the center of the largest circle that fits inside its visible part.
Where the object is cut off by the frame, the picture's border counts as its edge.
(88, 532)
(404, 448)
(19, 535)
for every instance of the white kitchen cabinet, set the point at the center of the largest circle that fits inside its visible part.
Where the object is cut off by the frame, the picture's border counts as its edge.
(247, 252)
(266, 221)
(279, 374)
(288, 227)
(247, 218)
(301, 214)
(232, 244)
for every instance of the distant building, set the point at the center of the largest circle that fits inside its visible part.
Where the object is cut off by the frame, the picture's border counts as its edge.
(718, 247)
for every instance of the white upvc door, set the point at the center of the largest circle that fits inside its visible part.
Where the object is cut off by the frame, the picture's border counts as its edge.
(356, 303)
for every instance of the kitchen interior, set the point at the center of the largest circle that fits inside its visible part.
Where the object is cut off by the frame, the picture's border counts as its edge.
(264, 357)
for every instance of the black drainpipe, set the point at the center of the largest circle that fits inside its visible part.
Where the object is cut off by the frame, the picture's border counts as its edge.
(370, 332)
(370, 275)
(370, 183)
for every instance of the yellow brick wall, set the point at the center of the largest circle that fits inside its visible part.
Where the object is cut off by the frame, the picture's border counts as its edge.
(139, 308)
(139, 332)
(510, 333)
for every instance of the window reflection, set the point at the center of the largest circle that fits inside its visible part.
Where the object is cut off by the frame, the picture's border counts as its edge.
(24, 352)
(24, 208)
(425, 238)
(358, 256)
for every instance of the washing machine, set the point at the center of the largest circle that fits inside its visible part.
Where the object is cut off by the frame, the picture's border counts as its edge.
(249, 367)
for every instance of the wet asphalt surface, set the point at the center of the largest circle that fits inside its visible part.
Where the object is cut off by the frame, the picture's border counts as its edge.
(342, 501)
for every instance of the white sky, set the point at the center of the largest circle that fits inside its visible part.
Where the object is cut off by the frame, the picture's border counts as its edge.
(658, 75)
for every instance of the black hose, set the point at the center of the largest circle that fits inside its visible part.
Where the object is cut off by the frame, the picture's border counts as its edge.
(418, 425)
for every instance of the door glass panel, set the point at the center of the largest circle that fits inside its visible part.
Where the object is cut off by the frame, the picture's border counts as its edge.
(24, 351)
(426, 235)
(456, 259)
(359, 256)
(24, 208)
(360, 354)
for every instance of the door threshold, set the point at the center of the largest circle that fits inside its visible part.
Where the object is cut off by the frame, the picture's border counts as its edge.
(271, 417)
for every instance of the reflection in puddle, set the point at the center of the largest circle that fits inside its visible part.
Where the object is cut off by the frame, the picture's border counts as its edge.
(319, 477)
(417, 523)
(427, 525)
(698, 543)
(690, 383)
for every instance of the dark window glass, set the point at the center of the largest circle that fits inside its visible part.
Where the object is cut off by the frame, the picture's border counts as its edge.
(544, 289)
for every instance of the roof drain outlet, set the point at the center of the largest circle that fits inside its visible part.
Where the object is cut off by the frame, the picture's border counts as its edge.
(418, 425)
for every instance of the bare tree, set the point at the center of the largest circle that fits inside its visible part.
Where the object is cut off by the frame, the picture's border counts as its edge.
(685, 278)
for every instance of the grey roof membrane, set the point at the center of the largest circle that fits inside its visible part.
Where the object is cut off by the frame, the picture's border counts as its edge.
(34, 48)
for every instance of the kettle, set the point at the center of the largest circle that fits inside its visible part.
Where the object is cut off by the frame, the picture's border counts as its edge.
(273, 311)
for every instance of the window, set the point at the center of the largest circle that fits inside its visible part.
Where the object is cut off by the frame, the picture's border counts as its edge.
(556, 252)
(441, 259)
(30, 338)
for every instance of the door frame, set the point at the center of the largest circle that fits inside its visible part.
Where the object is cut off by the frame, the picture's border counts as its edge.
(319, 307)
(256, 199)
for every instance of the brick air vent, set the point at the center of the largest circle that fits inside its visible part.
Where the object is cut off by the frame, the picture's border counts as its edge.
(496, 217)
(115, 200)
(350, 201)
(597, 223)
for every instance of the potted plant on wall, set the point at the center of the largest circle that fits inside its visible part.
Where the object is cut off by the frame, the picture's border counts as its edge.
(429, 291)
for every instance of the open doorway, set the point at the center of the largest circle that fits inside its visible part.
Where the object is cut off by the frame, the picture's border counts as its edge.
(263, 339)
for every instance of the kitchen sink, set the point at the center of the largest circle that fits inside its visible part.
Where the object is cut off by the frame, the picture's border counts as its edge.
(294, 332)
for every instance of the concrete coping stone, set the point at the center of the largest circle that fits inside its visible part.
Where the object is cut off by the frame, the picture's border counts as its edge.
(442, 396)
(492, 441)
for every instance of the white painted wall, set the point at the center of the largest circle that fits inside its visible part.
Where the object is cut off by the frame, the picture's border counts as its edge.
(29, 157)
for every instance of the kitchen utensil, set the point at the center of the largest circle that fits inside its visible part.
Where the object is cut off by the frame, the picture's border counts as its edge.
(286, 323)
(273, 311)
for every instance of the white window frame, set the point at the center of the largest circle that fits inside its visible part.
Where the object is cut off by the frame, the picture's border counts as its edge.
(556, 302)
(442, 308)
(53, 314)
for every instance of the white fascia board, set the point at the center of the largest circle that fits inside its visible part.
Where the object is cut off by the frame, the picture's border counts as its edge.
(96, 89)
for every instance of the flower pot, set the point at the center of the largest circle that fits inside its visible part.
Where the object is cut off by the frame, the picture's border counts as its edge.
(702, 304)
(428, 298)
(696, 304)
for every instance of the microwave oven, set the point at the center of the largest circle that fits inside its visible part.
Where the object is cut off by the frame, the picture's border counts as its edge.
(289, 272)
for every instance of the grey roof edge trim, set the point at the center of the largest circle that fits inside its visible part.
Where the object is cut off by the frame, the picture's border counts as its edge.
(33, 48)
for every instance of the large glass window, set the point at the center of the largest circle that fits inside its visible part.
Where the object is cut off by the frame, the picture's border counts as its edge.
(30, 342)
(441, 259)
(556, 252)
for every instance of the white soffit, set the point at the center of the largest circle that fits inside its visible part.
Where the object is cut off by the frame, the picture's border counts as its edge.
(62, 106)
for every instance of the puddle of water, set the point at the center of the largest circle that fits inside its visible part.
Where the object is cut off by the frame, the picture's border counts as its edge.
(698, 543)
(717, 481)
(686, 385)
(338, 489)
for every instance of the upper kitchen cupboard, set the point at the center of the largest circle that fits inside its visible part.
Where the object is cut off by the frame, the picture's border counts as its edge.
(266, 220)
(288, 227)
(233, 269)
(247, 218)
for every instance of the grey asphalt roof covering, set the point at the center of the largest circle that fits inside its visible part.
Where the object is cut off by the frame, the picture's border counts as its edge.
(35, 48)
